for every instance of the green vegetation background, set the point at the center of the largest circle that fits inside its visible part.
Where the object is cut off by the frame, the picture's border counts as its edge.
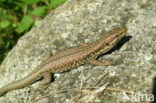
(18, 16)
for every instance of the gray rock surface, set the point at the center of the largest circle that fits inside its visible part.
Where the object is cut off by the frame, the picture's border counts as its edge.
(85, 21)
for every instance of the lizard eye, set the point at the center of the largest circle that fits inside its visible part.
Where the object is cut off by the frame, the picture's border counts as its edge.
(117, 36)
(107, 44)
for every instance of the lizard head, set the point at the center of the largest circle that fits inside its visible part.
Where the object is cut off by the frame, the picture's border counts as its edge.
(110, 39)
(114, 36)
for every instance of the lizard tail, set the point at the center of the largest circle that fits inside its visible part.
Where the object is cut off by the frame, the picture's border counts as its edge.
(29, 79)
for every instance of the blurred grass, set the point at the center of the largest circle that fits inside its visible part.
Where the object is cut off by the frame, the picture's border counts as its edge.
(14, 17)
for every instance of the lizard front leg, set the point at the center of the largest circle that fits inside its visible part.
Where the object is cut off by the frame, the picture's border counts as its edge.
(93, 61)
(83, 44)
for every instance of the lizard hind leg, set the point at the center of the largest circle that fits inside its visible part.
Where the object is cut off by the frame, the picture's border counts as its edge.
(43, 84)
(46, 80)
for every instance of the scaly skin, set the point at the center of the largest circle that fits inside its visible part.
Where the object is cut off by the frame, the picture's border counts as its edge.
(68, 59)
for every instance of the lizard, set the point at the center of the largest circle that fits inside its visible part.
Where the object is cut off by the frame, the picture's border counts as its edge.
(69, 58)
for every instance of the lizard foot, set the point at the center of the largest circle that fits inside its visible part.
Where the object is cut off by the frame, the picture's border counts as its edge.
(40, 90)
